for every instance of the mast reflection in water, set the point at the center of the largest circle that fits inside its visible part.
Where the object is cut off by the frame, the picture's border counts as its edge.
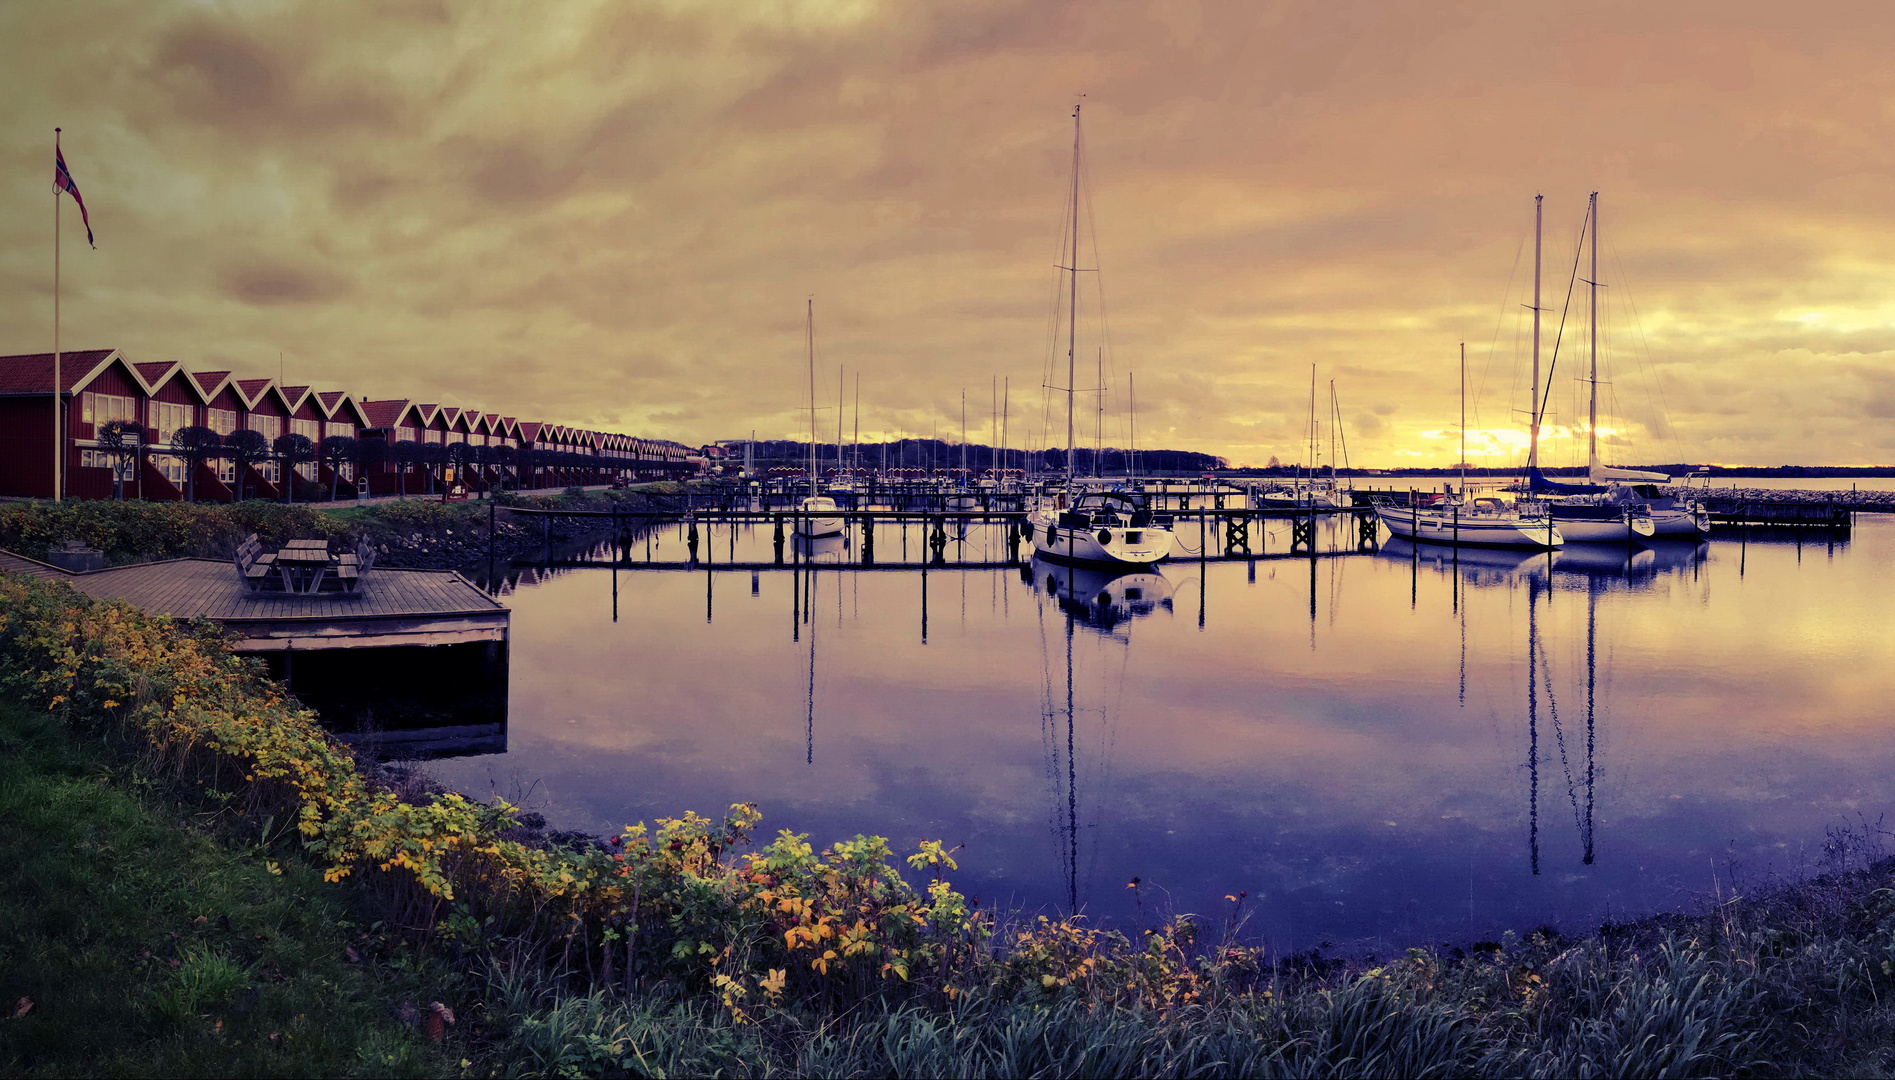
(1380, 749)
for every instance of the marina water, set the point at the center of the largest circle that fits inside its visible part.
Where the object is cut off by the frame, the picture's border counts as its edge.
(1376, 750)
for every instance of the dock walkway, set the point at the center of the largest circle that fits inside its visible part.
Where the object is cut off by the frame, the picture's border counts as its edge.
(395, 607)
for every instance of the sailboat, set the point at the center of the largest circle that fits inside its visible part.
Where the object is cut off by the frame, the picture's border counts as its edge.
(1313, 492)
(1614, 505)
(1484, 521)
(1111, 528)
(817, 515)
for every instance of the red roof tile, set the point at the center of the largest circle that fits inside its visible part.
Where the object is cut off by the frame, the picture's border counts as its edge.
(32, 373)
(382, 414)
(209, 382)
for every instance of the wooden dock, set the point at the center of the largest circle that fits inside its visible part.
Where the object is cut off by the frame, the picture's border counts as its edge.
(395, 607)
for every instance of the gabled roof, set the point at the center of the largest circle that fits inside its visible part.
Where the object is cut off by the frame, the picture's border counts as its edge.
(32, 373)
(450, 416)
(252, 390)
(335, 402)
(294, 396)
(508, 427)
(153, 373)
(530, 430)
(386, 414)
(211, 383)
(427, 413)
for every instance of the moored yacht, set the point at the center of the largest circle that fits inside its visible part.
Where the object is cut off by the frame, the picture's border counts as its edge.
(1105, 528)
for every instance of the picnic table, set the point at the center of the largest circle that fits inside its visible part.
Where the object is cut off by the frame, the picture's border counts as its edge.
(303, 567)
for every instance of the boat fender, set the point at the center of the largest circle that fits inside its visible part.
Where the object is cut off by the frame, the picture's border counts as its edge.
(1105, 536)
(1027, 531)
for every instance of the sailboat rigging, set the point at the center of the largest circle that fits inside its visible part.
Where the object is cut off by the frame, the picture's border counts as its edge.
(1108, 528)
(819, 515)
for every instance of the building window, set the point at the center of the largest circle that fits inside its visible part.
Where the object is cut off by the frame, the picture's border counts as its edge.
(105, 408)
(101, 459)
(172, 467)
(268, 426)
(431, 435)
(222, 421)
(165, 419)
(308, 429)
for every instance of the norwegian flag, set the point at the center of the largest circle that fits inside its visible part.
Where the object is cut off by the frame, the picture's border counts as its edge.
(62, 181)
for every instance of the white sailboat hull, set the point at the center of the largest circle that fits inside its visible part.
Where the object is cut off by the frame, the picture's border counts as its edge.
(1679, 521)
(817, 517)
(1438, 527)
(1110, 545)
(1621, 531)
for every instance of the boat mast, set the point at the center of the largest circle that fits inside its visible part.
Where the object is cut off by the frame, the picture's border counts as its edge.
(1533, 409)
(839, 386)
(1072, 303)
(1592, 409)
(809, 335)
(1312, 425)
(1131, 408)
(963, 434)
(855, 439)
(1463, 420)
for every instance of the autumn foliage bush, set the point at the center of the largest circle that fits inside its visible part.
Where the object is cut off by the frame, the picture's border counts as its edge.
(685, 901)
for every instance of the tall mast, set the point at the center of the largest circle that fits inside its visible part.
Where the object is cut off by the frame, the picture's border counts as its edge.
(1463, 419)
(1098, 432)
(1006, 402)
(1592, 409)
(1312, 424)
(1533, 413)
(855, 439)
(1131, 408)
(839, 385)
(963, 433)
(1072, 303)
(809, 335)
(1335, 425)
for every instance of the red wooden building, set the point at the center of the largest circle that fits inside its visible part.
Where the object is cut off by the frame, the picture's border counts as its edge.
(98, 386)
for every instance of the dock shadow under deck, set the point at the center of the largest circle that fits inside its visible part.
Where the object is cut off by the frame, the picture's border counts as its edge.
(394, 607)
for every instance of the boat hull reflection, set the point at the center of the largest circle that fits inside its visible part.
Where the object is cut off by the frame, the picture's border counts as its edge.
(1100, 597)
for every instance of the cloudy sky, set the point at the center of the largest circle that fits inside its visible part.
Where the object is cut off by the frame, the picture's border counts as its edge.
(612, 214)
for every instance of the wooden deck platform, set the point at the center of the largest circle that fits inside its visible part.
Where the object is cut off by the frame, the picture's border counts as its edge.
(395, 607)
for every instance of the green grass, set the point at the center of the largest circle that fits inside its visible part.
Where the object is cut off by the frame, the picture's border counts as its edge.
(148, 945)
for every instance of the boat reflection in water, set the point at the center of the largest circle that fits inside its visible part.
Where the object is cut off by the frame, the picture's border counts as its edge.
(1105, 602)
(829, 550)
(1098, 597)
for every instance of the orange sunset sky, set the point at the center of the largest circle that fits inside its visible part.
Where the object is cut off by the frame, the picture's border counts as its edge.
(610, 214)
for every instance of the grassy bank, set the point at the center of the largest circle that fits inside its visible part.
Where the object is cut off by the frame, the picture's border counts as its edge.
(136, 940)
(412, 532)
(173, 781)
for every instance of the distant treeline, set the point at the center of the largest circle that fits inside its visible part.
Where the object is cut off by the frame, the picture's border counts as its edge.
(939, 454)
(1675, 470)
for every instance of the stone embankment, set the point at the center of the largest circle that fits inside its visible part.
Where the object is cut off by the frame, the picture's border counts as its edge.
(1866, 501)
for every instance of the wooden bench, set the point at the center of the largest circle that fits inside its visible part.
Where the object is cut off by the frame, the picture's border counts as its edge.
(256, 568)
(352, 567)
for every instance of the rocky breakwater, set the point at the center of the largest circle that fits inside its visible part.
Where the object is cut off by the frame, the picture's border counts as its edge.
(451, 542)
(1882, 502)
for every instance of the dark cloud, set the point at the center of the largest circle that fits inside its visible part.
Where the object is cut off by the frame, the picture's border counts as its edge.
(613, 215)
(267, 283)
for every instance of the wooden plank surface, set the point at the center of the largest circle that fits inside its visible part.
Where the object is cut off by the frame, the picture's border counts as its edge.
(188, 588)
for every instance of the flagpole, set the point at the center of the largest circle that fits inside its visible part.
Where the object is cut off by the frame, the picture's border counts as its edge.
(59, 444)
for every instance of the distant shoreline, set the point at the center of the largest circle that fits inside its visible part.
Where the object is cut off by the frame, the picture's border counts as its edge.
(1677, 471)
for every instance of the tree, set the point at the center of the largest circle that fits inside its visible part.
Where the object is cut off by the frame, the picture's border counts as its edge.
(335, 452)
(404, 454)
(292, 450)
(460, 455)
(124, 440)
(370, 454)
(433, 456)
(245, 449)
(197, 446)
(501, 457)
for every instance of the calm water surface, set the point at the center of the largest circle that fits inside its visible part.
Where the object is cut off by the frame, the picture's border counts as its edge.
(1380, 749)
